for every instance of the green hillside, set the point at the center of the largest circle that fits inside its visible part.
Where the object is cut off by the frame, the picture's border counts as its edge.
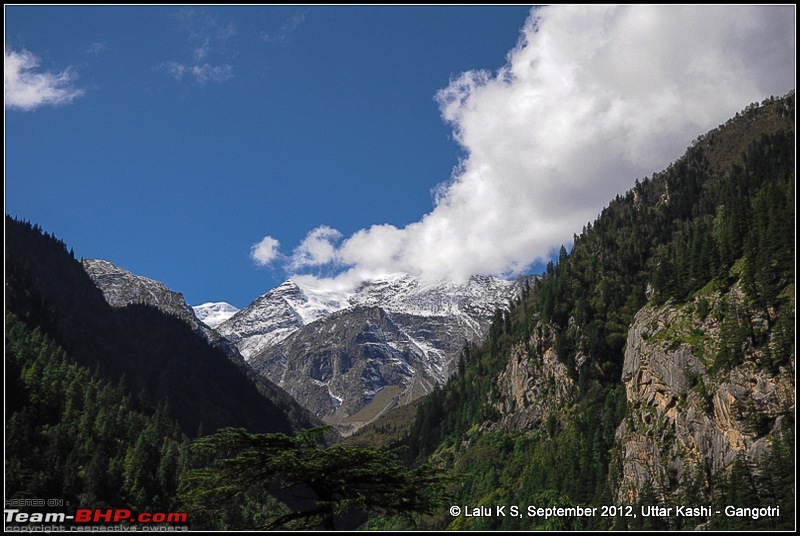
(534, 416)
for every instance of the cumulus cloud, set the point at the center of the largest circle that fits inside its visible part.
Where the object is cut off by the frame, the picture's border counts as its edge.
(591, 98)
(27, 89)
(318, 248)
(265, 252)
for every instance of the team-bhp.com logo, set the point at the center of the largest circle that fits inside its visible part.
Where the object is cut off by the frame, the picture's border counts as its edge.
(119, 515)
(96, 515)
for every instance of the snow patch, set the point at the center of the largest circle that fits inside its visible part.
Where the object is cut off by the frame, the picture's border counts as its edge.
(302, 300)
(212, 314)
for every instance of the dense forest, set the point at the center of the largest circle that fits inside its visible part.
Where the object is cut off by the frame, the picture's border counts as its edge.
(159, 355)
(102, 405)
(129, 408)
(74, 436)
(720, 217)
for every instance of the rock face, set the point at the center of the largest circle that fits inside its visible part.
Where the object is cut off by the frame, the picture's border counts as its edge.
(535, 385)
(687, 411)
(337, 368)
(349, 356)
(121, 287)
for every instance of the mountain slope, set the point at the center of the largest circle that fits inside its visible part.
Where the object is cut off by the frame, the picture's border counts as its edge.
(121, 288)
(73, 435)
(159, 356)
(653, 363)
(349, 356)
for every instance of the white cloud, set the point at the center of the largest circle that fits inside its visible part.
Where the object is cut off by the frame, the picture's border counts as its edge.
(206, 33)
(290, 26)
(265, 251)
(26, 89)
(590, 99)
(202, 74)
(207, 38)
(96, 48)
(316, 249)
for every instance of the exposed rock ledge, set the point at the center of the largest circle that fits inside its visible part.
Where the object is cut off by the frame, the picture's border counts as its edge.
(681, 413)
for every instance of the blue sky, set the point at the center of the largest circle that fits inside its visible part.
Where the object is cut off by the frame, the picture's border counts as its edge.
(349, 141)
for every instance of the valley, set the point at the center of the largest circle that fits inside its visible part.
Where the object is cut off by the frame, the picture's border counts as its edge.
(651, 365)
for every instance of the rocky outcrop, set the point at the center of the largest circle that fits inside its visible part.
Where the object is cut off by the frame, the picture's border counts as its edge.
(535, 386)
(355, 365)
(687, 409)
(121, 287)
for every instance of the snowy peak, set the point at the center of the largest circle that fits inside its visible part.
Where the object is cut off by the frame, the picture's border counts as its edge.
(212, 314)
(277, 314)
(312, 303)
(349, 355)
(302, 301)
(407, 294)
(266, 321)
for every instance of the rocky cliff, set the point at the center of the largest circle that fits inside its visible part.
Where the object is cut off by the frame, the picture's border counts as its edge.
(690, 406)
(534, 387)
(121, 287)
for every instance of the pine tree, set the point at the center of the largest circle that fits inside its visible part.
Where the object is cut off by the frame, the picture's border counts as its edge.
(320, 486)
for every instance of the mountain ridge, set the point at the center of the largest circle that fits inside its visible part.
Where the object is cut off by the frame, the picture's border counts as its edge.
(283, 310)
(398, 335)
(158, 356)
(652, 364)
(349, 356)
(121, 288)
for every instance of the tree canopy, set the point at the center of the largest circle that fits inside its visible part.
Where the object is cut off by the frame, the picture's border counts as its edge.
(320, 487)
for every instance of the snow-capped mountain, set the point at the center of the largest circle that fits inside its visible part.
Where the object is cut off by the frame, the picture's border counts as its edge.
(350, 355)
(212, 314)
(121, 288)
(346, 354)
(299, 302)
(268, 320)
